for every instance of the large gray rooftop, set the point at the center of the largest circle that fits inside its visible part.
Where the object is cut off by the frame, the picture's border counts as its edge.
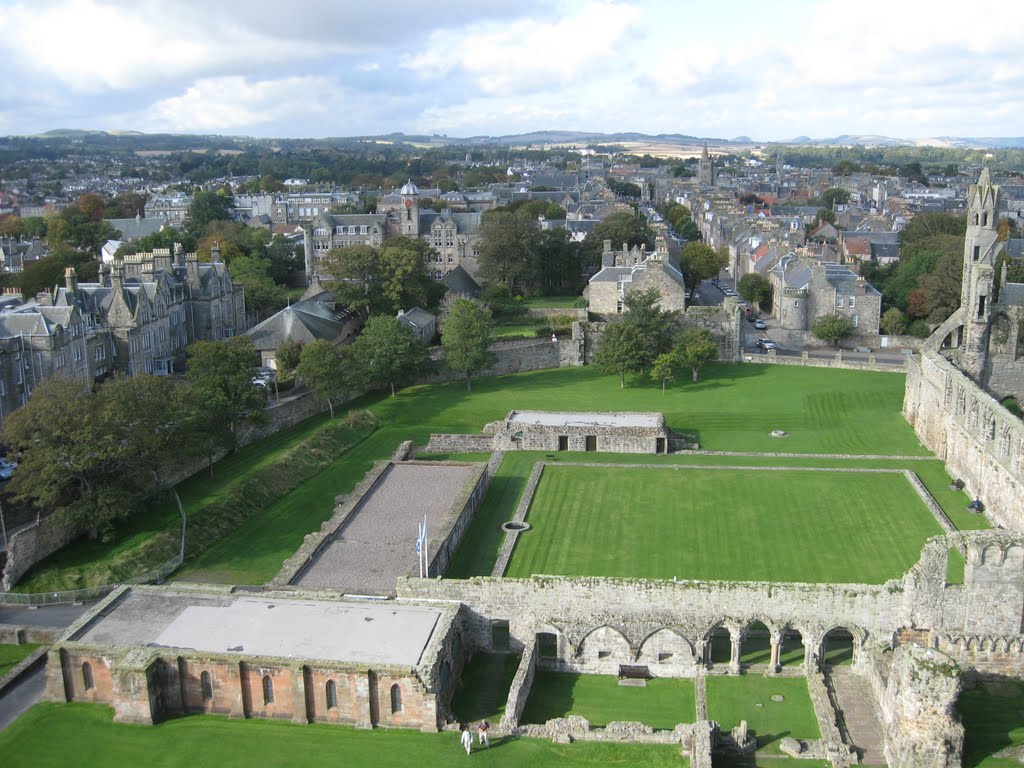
(585, 419)
(362, 633)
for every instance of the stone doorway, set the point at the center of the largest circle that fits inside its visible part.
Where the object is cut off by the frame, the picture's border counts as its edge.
(591, 443)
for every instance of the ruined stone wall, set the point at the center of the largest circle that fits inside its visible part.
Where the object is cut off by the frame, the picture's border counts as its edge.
(466, 503)
(442, 443)
(519, 690)
(981, 442)
(30, 545)
(838, 360)
(725, 324)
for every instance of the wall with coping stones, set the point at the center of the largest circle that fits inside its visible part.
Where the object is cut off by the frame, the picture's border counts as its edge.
(519, 691)
(981, 442)
(30, 545)
(804, 359)
(468, 500)
(628, 617)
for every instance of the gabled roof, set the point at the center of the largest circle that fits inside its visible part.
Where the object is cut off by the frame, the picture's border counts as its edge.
(459, 282)
(305, 321)
(137, 228)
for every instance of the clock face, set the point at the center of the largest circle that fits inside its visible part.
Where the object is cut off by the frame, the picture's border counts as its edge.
(408, 203)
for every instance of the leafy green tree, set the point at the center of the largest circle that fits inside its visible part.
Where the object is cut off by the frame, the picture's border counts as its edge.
(285, 258)
(167, 237)
(80, 226)
(893, 321)
(322, 369)
(757, 289)
(697, 348)
(507, 246)
(835, 196)
(638, 337)
(93, 458)
(262, 294)
(46, 273)
(288, 355)
(385, 353)
(381, 281)
(621, 350)
(621, 227)
(700, 262)
(126, 205)
(940, 288)
(208, 206)
(666, 368)
(832, 328)
(466, 338)
(221, 374)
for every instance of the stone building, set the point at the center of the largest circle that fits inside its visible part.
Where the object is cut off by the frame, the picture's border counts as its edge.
(453, 236)
(157, 652)
(706, 168)
(173, 210)
(804, 291)
(633, 269)
(315, 316)
(604, 432)
(331, 230)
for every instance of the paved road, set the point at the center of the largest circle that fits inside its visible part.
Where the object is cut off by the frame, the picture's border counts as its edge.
(47, 616)
(17, 699)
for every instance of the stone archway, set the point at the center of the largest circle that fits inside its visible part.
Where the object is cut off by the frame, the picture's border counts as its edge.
(718, 646)
(792, 651)
(757, 645)
(666, 648)
(839, 647)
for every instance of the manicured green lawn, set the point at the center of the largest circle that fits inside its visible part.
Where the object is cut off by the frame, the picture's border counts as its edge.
(734, 525)
(732, 699)
(662, 704)
(484, 690)
(991, 714)
(61, 735)
(551, 302)
(12, 655)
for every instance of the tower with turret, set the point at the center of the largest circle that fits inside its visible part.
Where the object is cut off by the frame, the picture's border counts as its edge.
(410, 211)
(981, 250)
(706, 169)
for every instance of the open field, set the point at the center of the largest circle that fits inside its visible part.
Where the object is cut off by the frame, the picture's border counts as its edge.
(662, 703)
(723, 524)
(59, 735)
(732, 699)
(733, 408)
(991, 714)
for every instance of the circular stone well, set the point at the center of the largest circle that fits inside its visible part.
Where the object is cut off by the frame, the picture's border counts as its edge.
(779, 433)
(515, 526)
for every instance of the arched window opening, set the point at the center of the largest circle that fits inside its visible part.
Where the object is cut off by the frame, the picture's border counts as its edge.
(332, 695)
(396, 699)
(268, 690)
(87, 676)
(207, 685)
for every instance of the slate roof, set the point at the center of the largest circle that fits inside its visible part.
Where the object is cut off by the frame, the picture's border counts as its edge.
(1012, 294)
(137, 228)
(885, 251)
(34, 320)
(459, 282)
(305, 321)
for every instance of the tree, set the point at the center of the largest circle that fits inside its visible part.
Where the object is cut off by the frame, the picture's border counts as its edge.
(284, 259)
(262, 294)
(620, 351)
(373, 281)
(208, 206)
(893, 321)
(507, 247)
(700, 262)
(757, 289)
(385, 353)
(466, 338)
(43, 275)
(638, 337)
(697, 348)
(835, 196)
(221, 374)
(832, 328)
(621, 227)
(93, 458)
(287, 356)
(322, 369)
(666, 368)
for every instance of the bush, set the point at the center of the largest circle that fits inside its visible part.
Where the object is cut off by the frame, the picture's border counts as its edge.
(920, 329)
(502, 304)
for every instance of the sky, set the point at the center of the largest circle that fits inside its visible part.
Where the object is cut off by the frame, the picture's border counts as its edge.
(771, 70)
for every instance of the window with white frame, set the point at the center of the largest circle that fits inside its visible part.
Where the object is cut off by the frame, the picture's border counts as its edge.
(839, 302)
(851, 302)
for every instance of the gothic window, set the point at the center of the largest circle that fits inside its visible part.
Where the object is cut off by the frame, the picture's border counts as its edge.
(976, 253)
(984, 219)
(268, 690)
(981, 306)
(206, 682)
(1004, 440)
(87, 676)
(396, 699)
(332, 694)
(975, 219)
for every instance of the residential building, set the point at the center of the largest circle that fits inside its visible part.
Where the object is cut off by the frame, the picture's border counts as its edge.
(805, 290)
(628, 270)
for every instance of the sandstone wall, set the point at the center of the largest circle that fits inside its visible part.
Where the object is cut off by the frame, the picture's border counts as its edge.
(30, 545)
(981, 442)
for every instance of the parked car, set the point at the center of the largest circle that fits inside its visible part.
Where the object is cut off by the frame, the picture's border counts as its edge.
(7, 469)
(264, 377)
(760, 324)
(766, 344)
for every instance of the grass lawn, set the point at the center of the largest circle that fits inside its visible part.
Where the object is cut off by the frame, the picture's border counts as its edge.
(551, 302)
(59, 735)
(991, 714)
(662, 703)
(12, 655)
(732, 699)
(484, 690)
(736, 525)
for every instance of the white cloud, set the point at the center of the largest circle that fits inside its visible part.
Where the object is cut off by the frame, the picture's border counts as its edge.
(233, 103)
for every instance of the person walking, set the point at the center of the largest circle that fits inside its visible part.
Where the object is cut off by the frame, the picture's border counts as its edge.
(467, 739)
(481, 733)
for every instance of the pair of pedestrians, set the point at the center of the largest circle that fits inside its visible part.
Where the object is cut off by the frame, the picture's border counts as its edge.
(481, 732)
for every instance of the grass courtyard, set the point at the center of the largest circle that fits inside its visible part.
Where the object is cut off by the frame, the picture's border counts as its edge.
(662, 703)
(59, 735)
(722, 524)
(732, 699)
(12, 655)
(993, 721)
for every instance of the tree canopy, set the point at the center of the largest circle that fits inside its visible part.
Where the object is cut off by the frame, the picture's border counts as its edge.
(696, 348)
(381, 280)
(757, 289)
(633, 341)
(207, 206)
(700, 262)
(832, 328)
(322, 369)
(385, 354)
(221, 374)
(466, 338)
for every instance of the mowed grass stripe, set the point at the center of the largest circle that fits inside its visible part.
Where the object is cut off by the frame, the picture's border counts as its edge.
(735, 525)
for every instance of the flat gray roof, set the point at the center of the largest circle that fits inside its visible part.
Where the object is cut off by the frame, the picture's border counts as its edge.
(378, 542)
(364, 633)
(581, 419)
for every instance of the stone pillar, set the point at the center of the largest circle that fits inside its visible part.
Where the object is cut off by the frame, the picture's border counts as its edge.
(300, 703)
(773, 663)
(810, 657)
(702, 656)
(736, 640)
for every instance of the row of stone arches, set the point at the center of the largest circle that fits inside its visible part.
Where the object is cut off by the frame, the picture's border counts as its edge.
(726, 643)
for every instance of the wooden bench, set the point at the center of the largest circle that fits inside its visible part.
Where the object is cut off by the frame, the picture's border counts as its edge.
(634, 672)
